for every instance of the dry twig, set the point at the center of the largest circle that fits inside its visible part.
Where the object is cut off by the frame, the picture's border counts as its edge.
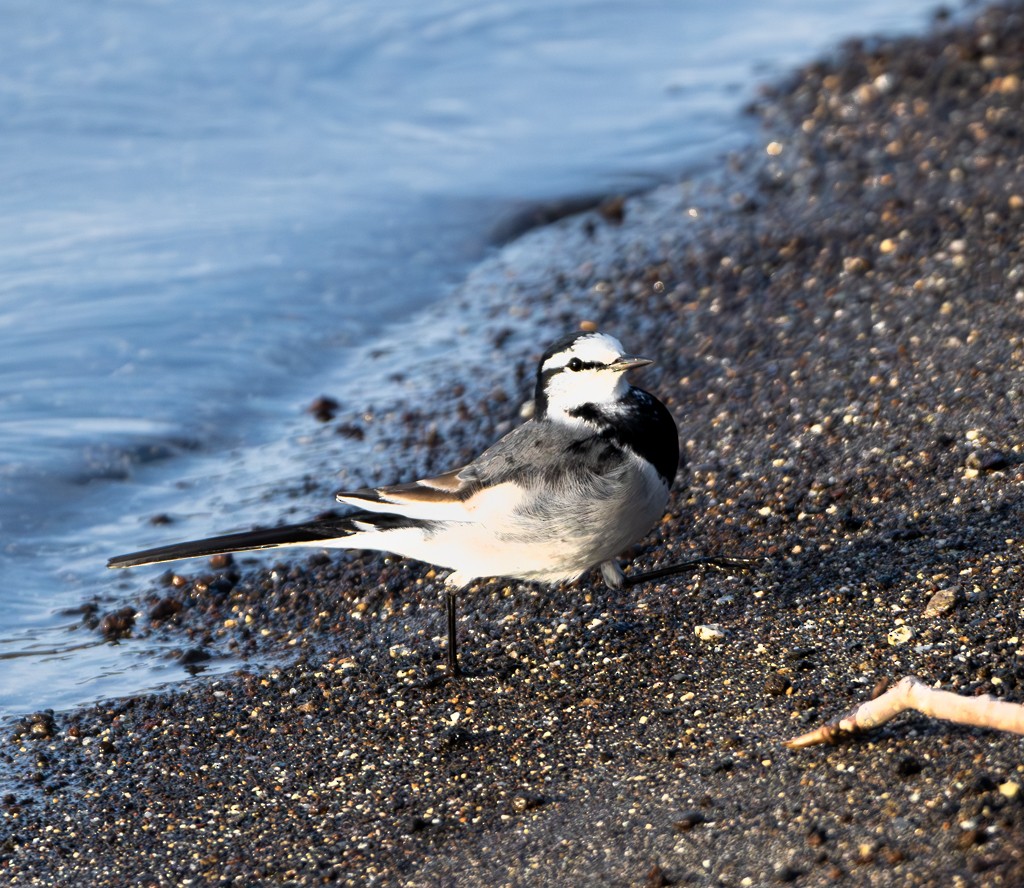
(912, 693)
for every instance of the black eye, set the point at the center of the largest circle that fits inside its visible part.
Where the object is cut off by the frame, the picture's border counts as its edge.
(575, 364)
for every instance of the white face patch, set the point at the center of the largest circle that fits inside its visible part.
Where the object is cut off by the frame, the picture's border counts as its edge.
(594, 382)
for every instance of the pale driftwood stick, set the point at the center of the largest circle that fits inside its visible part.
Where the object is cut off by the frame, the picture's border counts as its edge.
(912, 693)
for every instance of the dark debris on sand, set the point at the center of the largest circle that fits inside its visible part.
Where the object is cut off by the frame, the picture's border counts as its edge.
(843, 350)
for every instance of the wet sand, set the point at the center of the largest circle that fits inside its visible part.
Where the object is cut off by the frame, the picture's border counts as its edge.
(840, 341)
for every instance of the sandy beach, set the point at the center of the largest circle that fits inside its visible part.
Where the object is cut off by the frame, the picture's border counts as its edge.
(839, 326)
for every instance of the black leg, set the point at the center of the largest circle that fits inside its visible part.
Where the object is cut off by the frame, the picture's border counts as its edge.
(671, 570)
(453, 653)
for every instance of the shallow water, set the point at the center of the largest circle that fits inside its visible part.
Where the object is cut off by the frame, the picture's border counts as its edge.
(213, 210)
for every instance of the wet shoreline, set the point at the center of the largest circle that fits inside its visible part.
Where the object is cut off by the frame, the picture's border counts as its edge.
(840, 338)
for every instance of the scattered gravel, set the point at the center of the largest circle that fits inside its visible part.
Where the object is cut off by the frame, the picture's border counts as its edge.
(841, 342)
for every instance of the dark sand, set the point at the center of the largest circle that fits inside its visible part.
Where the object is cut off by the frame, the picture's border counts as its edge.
(843, 353)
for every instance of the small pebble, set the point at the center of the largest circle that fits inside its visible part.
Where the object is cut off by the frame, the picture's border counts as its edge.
(119, 623)
(164, 609)
(987, 460)
(688, 820)
(900, 635)
(942, 602)
(526, 801)
(194, 655)
(323, 408)
(709, 632)
(613, 209)
(656, 878)
(776, 685)
(1010, 789)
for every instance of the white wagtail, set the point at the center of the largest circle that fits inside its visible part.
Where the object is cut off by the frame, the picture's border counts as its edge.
(568, 490)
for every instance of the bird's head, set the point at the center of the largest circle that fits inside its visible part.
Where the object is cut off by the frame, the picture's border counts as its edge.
(582, 370)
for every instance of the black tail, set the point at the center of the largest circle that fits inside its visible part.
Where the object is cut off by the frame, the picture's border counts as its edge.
(311, 533)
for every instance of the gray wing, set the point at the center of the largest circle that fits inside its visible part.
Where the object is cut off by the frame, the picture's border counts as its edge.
(544, 449)
(534, 451)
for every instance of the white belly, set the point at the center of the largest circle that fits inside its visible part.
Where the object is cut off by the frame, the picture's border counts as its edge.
(547, 538)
